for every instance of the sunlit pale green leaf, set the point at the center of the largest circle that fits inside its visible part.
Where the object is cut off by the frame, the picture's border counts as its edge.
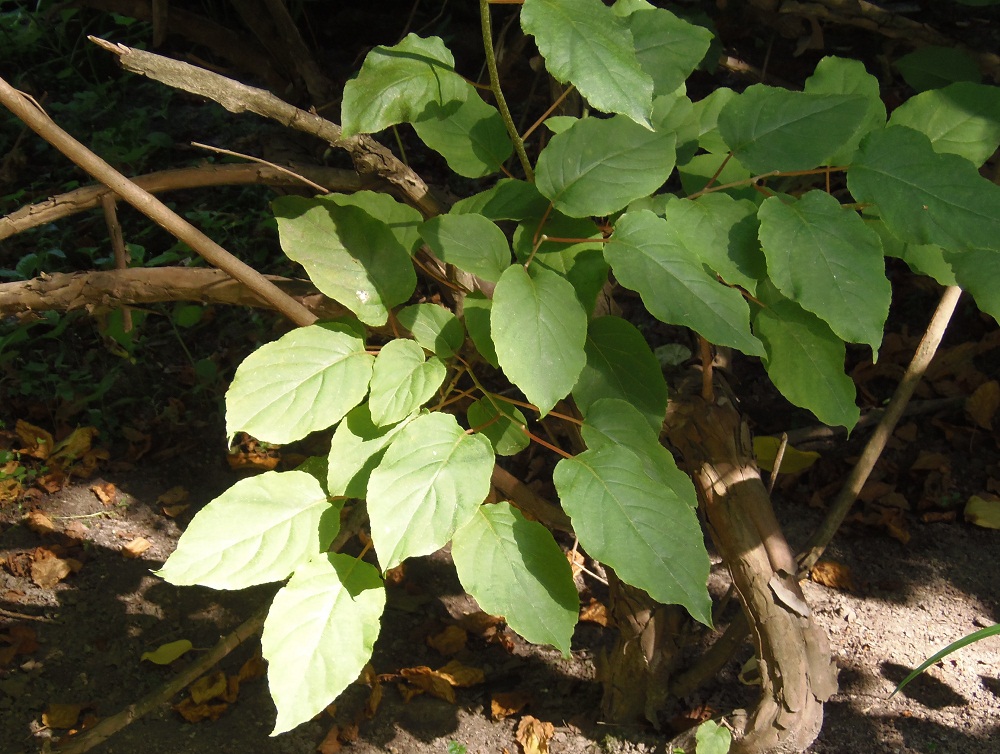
(514, 568)
(962, 119)
(477, 315)
(355, 450)
(319, 634)
(257, 531)
(402, 381)
(925, 197)
(824, 257)
(304, 381)
(434, 327)
(620, 364)
(598, 166)
(585, 44)
(430, 481)
(472, 139)
(539, 328)
(470, 242)
(777, 129)
(647, 257)
(399, 84)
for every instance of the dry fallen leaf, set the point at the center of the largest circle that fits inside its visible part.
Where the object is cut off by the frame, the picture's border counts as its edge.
(20, 640)
(107, 493)
(48, 569)
(167, 653)
(983, 510)
(834, 575)
(594, 612)
(792, 461)
(396, 576)
(61, 715)
(331, 742)
(507, 703)
(208, 687)
(173, 511)
(173, 496)
(252, 669)
(73, 448)
(450, 641)
(462, 675)
(37, 442)
(195, 713)
(479, 622)
(982, 405)
(928, 461)
(39, 523)
(422, 679)
(575, 562)
(374, 700)
(534, 735)
(136, 547)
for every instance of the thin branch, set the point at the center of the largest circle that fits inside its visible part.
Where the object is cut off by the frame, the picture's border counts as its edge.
(39, 122)
(876, 443)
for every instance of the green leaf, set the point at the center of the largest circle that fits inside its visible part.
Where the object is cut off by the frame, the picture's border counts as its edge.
(824, 257)
(805, 360)
(585, 44)
(402, 381)
(931, 67)
(304, 381)
(477, 311)
(696, 173)
(722, 232)
(501, 423)
(559, 123)
(514, 568)
(473, 139)
(925, 197)
(355, 450)
(649, 533)
(319, 634)
(978, 272)
(667, 47)
(962, 119)
(401, 84)
(352, 255)
(647, 257)
(509, 199)
(938, 656)
(706, 114)
(923, 259)
(539, 329)
(167, 653)
(470, 242)
(712, 738)
(841, 76)
(674, 114)
(620, 364)
(434, 327)
(600, 165)
(776, 129)
(581, 263)
(430, 482)
(257, 531)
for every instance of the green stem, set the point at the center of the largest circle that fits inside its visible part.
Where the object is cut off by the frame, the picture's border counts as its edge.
(491, 66)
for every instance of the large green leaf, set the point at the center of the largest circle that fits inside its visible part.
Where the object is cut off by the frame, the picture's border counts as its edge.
(470, 242)
(319, 633)
(706, 115)
(355, 254)
(509, 199)
(648, 532)
(841, 76)
(931, 67)
(925, 197)
(827, 259)
(514, 568)
(647, 257)
(962, 119)
(473, 139)
(600, 165)
(539, 329)
(402, 381)
(776, 129)
(717, 169)
(430, 482)
(257, 531)
(584, 43)
(722, 232)
(435, 328)
(805, 360)
(401, 84)
(978, 272)
(667, 47)
(304, 381)
(620, 364)
(355, 451)
(500, 422)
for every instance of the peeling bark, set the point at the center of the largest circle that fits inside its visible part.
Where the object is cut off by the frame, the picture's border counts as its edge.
(797, 672)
